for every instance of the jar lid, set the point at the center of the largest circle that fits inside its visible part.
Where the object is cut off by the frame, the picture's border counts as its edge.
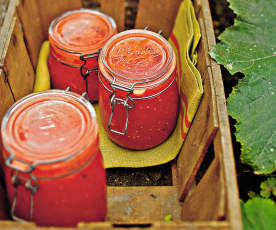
(138, 56)
(80, 32)
(48, 127)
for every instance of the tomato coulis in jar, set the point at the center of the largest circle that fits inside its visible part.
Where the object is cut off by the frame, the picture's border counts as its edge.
(51, 141)
(138, 95)
(75, 40)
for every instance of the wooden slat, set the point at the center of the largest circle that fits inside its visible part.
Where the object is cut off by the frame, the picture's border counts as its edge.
(157, 15)
(204, 203)
(32, 27)
(161, 225)
(223, 142)
(196, 225)
(6, 101)
(203, 49)
(115, 9)
(174, 172)
(200, 225)
(3, 7)
(142, 204)
(20, 71)
(223, 147)
(201, 133)
(5, 30)
(5, 94)
(50, 9)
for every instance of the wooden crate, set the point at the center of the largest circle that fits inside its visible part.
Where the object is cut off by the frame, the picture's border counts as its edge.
(213, 202)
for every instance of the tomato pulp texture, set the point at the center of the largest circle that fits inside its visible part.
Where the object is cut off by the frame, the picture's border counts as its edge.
(59, 130)
(146, 60)
(72, 35)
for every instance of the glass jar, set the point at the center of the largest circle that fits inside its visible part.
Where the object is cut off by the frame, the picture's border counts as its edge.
(54, 170)
(76, 38)
(138, 95)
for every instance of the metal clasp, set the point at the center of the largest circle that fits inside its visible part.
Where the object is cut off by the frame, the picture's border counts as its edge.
(85, 71)
(30, 184)
(114, 100)
(84, 95)
(11, 159)
(160, 32)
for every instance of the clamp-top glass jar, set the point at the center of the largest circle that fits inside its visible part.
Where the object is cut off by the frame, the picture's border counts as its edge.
(138, 94)
(76, 38)
(54, 169)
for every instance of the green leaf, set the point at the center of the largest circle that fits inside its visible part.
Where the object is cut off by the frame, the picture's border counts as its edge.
(268, 187)
(168, 218)
(250, 47)
(259, 214)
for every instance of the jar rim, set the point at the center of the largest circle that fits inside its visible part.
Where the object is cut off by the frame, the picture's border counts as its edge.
(109, 21)
(22, 154)
(157, 77)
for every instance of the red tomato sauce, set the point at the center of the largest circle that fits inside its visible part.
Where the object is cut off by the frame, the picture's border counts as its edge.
(59, 131)
(73, 34)
(145, 60)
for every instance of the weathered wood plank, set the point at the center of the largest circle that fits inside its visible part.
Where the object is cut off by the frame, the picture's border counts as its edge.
(32, 28)
(116, 10)
(204, 203)
(51, 9)
(3, 7)
(200, 225)
(157, 15)
(138, 205)
(6, 101)
(20, 71)
(174, 172)
(203, 49)
(223, 148)
(175, 225)
(5, 30)
(201, 134)
(222, 143)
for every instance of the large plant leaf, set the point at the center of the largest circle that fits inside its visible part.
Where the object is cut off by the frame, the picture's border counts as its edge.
(259, 214)
(250, 47)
